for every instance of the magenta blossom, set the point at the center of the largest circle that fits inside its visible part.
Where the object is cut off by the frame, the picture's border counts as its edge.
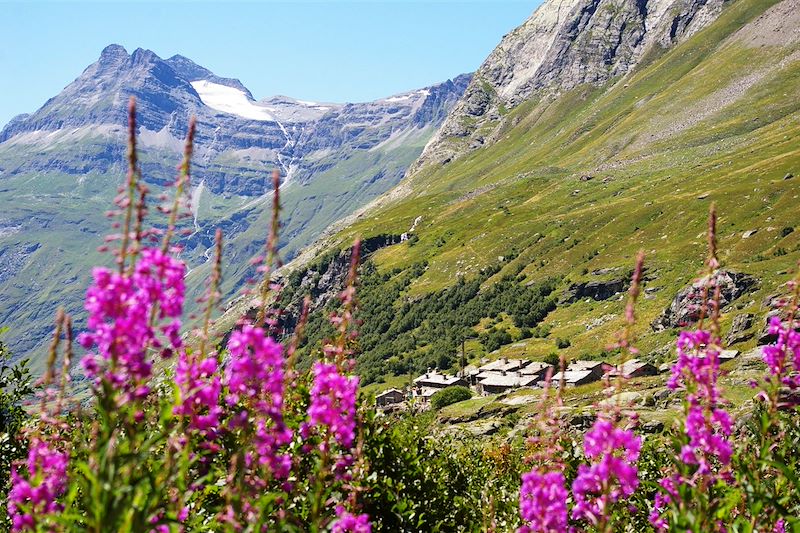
(200, 387)
(31, 499)
(543, 502)
(254, 377)
(697, 367)
(708, 437)
(707, 426)
(663, 499)
(347, 522)
(612, 473)
(333, 404)
(124, 313)
(784, 352)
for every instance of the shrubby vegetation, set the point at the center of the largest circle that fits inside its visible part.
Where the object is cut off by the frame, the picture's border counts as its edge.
(244, 439)
(15, 386)
(400, 336)
(450, 395)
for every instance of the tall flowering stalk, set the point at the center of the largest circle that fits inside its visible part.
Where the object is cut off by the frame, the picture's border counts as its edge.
(543, 493)
(332, 422)
(134, 319)
(33, 497)
(612, 450)
(687, 497)
(197, 373)
(254, 379)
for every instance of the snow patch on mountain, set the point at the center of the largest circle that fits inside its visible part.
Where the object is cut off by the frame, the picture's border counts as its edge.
(230, 100)
(422, 93)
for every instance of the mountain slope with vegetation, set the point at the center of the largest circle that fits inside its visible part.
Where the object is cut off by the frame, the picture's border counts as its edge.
(574, 182)
(60, 167)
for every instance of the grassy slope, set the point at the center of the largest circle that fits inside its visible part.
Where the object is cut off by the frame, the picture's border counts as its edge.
(690, 122)
(65, 216)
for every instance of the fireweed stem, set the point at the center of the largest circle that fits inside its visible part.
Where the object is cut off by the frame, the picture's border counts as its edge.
(271, 259)
(181, 183)
(130, 185)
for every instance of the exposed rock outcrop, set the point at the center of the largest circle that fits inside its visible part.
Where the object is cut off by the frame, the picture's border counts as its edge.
(687, 306)
(739, 329)
(596, 290)
(564, 44)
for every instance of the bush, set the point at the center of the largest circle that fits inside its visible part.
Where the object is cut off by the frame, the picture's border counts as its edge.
(552, 359)
(15, 385)
(786, 231)
(450, 395)
(562, 343)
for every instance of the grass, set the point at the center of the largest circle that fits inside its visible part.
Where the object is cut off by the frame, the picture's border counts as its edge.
(656, 142)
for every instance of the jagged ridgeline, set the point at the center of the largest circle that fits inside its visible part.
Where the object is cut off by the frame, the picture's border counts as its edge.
(595, 129)
(60, 167)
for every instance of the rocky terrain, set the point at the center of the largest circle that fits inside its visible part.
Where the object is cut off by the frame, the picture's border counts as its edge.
(564, 44)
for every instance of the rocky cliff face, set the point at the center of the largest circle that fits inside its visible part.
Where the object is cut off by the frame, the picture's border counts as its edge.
(236, 135)
(564, 44)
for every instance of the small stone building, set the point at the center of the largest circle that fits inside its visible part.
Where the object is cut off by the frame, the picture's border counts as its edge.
(634, 368)
(497, 383)
(389, 397)
(436, 380)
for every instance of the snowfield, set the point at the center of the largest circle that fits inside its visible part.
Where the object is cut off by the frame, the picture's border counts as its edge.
(230, 100)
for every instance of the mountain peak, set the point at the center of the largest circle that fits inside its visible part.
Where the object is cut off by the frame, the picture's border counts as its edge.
(191, 71)
(114, 51)
(143, 56)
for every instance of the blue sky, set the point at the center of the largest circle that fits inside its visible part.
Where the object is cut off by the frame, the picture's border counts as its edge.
(322, 51)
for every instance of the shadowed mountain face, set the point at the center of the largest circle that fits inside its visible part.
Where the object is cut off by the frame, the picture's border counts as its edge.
(60, 167)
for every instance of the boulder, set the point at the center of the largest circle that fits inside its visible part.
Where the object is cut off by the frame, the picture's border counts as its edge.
(654, 426)
(622, 399)
(581, 421)
(596, 290)
(662, 395)
(483, 427)
(685, 308)
(738, 332)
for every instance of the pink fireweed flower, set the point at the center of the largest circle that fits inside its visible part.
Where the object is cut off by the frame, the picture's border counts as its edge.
(612, 474)
(333, 404)
(254, 377)
(543, 502)
(200, 387)
(124, 312)
(663, 500)
(697, 368)
(706, 426)
(784, 352)
(347, 522)
(708, 437)
(33, 497)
